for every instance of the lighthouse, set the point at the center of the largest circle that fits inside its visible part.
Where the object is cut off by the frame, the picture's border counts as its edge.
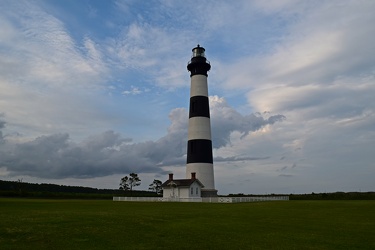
(199, 147)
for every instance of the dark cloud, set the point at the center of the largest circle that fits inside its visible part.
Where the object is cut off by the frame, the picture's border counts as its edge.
(2, 125)
(226, 120)
(283, 168)
(285, 175)
(239, 158)
(294, 165)
(57, 156)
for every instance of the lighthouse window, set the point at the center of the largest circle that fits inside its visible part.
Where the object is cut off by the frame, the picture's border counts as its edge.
(198, 52)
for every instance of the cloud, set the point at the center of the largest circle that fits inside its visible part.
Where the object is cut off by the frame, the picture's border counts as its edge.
(57, 156)
(45, 74)
(320, 75)
(2, 126)
(227, 120)
(286, 175)
(132, 91)
(324, 58)
(160, 61)
(238, 158)
(306, 70)
(283, 168)
(48, 54)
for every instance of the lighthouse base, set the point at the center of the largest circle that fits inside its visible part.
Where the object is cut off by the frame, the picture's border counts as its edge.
(208, 193)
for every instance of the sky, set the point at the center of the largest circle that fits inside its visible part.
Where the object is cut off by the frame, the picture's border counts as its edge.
(92, 90)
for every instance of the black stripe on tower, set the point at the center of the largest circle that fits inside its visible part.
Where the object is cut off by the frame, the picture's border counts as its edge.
(199, 106)
(199, 150)
(199, 66)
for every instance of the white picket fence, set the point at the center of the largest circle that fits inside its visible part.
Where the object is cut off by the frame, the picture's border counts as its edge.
(245, 199)
(206, 199)
(157, 199)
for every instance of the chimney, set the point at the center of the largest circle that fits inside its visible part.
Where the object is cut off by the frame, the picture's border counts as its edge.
(193, 176)
(170, 177)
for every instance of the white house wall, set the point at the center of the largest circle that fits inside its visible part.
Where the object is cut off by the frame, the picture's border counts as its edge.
(195, 186)
(183, 192)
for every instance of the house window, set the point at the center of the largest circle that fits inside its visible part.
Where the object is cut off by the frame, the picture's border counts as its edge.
(191, 190)
(196, 191)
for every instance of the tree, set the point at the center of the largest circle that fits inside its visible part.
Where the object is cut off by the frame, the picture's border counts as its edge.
(124, 184)
(20, 185)
(128, 182)
(155, 186)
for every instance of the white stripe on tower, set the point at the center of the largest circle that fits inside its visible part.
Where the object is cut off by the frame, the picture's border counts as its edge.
(199, 150)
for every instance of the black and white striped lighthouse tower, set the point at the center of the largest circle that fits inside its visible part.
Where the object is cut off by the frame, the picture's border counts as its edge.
(199, 148)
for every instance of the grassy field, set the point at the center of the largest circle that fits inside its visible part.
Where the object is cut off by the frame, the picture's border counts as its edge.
(77, 224)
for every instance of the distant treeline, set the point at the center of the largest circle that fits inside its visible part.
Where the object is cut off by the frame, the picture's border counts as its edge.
(334, 196)
(24, 189)
(321, 196)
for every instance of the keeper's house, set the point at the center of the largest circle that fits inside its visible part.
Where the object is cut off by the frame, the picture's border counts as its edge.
(182, 188)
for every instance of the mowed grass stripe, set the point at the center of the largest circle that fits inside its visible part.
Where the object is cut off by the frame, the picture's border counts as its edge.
(82, 224)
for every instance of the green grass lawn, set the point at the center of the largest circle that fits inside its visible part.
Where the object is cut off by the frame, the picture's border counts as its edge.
(82, 224)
